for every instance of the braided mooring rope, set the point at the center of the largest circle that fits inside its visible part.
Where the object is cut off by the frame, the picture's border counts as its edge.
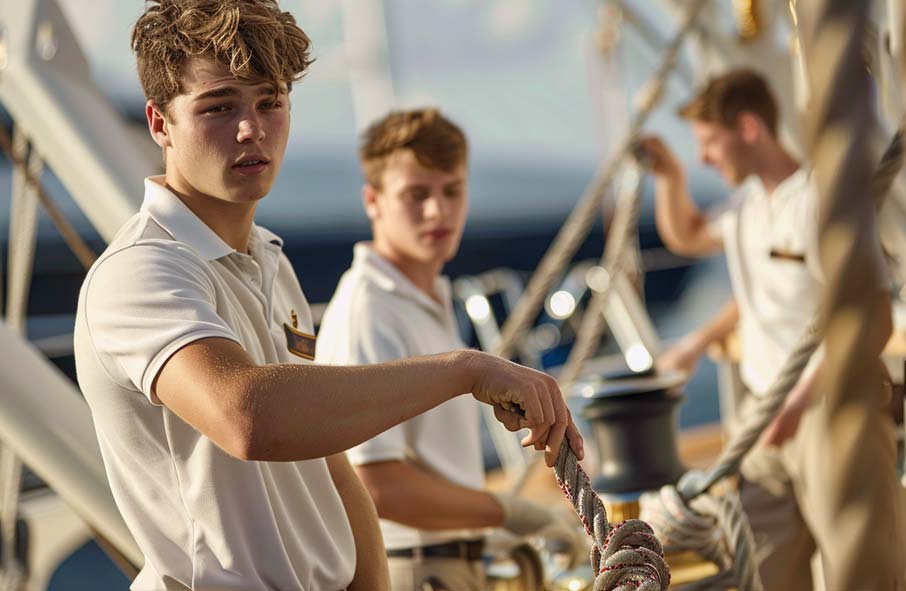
(626, 556)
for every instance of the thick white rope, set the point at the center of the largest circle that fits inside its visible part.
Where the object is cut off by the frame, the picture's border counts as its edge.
(858, 553)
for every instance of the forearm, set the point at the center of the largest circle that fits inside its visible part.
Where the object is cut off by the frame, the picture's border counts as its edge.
(294, 412)
(722, 325)
(414, 497)
(717, 330)
(678, 220)
(371, 572)
(340, 407)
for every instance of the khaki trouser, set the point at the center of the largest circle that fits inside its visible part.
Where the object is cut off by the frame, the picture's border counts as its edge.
(436, 574)
(782, 493)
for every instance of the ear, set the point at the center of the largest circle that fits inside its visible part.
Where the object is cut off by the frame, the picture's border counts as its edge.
(369, 201)
(157, 124)
(749, 126)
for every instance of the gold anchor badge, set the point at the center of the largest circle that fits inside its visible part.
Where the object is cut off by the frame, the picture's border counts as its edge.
(294, 319)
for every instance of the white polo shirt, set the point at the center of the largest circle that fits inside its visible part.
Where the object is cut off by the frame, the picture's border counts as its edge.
(378, 315)
(770, 241)
(202, 518)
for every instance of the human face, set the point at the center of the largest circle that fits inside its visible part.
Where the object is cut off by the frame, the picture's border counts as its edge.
(419, 213)
(223, 138)
(723, 149)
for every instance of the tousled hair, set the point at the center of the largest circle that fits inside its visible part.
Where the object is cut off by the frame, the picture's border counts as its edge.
(254, 38)
(725, 97)
(435, 141)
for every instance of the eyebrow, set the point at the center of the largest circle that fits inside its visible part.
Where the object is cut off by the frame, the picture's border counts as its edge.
(427, 185)
(226, 91)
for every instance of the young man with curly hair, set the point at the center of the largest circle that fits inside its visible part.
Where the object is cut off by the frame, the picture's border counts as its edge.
(426, 475)
(222, 442)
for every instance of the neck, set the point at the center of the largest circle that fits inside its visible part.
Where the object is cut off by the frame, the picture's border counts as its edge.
(775, 166)
(232, 222)
(421, 274)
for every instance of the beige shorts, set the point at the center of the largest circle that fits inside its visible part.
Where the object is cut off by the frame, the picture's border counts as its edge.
(784, 493)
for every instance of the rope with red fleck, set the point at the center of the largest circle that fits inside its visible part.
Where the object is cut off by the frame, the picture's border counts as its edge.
(626, 556)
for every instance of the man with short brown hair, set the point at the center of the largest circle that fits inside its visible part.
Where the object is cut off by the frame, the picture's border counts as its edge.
(769, 235)
(426, 475)
(193, 340)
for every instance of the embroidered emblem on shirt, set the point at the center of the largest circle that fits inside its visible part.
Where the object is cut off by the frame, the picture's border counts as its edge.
(294, 318)
(299, 343)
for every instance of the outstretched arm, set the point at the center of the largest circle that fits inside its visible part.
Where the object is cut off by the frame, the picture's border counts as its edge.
(295, 412)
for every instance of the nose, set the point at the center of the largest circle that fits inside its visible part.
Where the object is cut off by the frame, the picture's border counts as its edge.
(250, 130)
(434, 207)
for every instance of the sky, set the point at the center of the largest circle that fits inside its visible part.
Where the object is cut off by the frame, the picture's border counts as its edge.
(514, 73)
(540, 104)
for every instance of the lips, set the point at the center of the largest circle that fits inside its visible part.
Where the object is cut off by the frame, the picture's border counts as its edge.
(251, 165)
(438, 234)
(252, 162)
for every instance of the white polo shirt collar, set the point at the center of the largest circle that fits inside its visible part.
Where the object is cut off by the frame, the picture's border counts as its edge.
(176, 218)
(389, 278)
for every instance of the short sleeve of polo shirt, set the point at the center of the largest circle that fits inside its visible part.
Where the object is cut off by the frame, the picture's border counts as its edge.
(145, 302)
(372, 341)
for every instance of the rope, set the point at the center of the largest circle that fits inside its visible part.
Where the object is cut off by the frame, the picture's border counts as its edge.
(616, 255)
(577, 226)
(624, 557)
(715, 527)
(75, 243)
(849, 417)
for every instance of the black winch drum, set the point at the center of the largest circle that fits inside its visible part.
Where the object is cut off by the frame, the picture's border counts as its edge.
(634, 426)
